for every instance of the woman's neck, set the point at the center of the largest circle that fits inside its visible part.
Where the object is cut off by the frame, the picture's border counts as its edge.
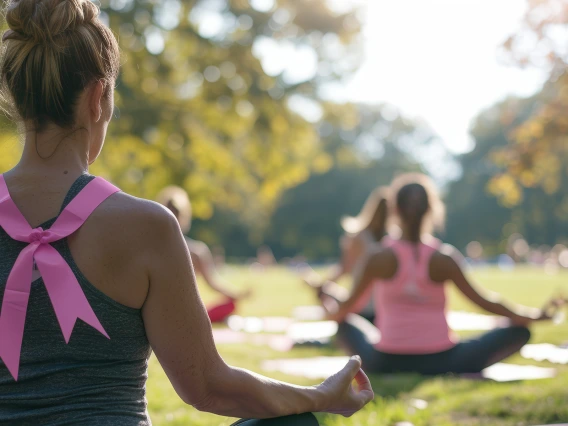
(411, 234)
(376, 234)
(53, 153)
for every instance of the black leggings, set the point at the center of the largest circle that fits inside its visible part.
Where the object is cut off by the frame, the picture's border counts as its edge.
(468, 356)
(307, 419)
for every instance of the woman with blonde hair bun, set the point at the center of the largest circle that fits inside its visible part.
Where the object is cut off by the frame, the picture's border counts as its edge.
(118, 263)
(177, 201)
(362, 232)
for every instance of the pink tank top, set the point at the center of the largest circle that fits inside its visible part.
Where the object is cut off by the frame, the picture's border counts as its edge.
(411, 307)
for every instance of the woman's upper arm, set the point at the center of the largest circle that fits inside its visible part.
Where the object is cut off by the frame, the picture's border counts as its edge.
(175, 318)
(455, 254)
(449, 262)
(373, 265)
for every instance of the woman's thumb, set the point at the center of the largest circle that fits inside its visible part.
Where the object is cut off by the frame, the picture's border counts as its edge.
(351, 368)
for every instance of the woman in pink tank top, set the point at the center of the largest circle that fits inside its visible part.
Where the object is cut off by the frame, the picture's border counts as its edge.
(408, 279)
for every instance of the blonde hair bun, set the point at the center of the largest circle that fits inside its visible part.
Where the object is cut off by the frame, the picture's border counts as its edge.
(43, 20)
(53, 50)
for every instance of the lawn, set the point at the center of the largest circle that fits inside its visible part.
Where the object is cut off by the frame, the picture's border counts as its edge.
(451, 401)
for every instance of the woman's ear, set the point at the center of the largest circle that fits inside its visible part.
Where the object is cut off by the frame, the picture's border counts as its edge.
(95, 101)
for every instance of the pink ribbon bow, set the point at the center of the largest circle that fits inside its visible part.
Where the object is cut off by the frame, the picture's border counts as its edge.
(68, 300)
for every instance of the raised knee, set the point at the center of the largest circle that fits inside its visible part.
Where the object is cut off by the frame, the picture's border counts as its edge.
(523, 334)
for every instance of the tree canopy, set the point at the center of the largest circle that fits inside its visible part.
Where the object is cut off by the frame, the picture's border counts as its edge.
(216, 96)
(474, 214)
(537, 152)
(219, 96)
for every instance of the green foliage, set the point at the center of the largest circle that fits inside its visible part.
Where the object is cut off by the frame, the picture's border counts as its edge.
(473, 211)
(363, 143)
(537, 152)
(201, 107)
(10, 147)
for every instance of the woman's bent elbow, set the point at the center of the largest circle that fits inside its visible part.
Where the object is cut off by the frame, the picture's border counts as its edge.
(208, 403)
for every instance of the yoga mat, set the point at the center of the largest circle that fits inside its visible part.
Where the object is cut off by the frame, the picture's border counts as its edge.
(315, 331)
(323, 367)
(312, 368)
(258, 325)
(462, 321)
(312, 331)
(502, 372)
(321, 332)
(459, 321)
(225, 336)
(546, 352)
(309, 313)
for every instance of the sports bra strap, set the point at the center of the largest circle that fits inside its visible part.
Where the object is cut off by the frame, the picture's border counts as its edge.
(69, 301)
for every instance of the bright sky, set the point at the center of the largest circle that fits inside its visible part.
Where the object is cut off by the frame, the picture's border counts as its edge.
(438, 60)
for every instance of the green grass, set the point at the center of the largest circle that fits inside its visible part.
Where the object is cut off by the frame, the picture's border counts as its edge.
(451, 401)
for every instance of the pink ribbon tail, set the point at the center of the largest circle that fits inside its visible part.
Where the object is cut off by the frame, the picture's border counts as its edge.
(14, 307)
(67, 297)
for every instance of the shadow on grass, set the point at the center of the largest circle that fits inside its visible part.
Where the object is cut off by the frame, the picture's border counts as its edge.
(395, 385)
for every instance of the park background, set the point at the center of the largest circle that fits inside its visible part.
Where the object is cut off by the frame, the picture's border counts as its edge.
(280, 116)
(246, 104)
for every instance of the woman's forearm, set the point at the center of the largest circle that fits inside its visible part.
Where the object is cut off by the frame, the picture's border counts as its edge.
(337, 272)
(509, 310)
(241, 393)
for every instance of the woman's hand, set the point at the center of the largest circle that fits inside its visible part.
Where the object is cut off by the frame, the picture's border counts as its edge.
(245, 294)
(312, 279)
(339, 394)
(547, 313)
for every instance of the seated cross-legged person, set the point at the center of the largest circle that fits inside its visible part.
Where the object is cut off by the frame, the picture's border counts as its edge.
(118, 263)
(409, 278)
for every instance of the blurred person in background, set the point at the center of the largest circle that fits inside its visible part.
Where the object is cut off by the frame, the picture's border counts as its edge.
(517, 248)
(177, 201)
(219, 256)
(474, 252)
(362, 232)
(117, 262)
(265, 256)
(409, 278)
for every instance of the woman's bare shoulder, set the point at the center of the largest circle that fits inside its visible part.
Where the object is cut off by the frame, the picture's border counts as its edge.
(133, 220)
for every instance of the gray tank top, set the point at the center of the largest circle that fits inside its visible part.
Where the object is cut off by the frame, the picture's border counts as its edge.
(92, 380)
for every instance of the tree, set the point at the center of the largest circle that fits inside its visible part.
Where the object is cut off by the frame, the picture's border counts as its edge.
(367, 145)
(10, 147)
(205, 97)
(208, 97)
(364, 144)
(475, 214)
(537, 152)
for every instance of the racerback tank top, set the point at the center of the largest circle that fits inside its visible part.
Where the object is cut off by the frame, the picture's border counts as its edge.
(412, 307)
(90, 381)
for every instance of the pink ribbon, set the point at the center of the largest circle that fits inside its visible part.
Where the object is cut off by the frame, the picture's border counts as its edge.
(68, 300)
